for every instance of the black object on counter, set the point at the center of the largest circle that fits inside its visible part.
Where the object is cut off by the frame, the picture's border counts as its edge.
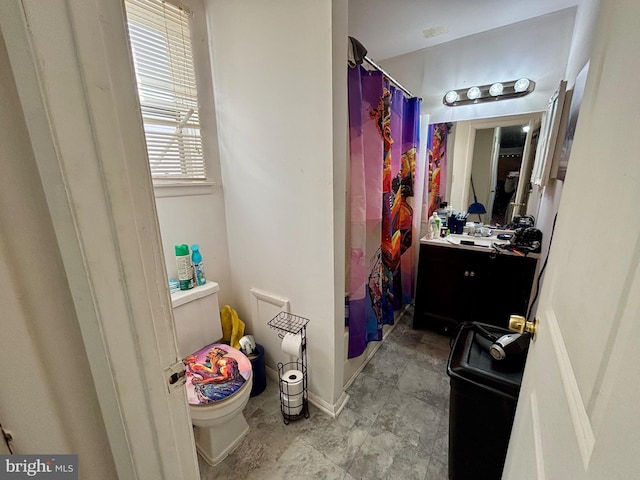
(484, 394)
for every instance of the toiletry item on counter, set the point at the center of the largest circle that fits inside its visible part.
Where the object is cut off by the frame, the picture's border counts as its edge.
(185, 270)
(434, 226)
(198, 266)
(442, 214)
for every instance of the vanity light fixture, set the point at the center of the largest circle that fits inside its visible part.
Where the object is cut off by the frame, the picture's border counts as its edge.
(473, 93)
(451, 96)
(490, 92)
(521, 85)
(496, 89)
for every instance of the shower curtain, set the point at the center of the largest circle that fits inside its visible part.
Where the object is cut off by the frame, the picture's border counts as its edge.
(383, 140)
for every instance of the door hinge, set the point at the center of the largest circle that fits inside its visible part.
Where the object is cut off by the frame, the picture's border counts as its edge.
(176, 376)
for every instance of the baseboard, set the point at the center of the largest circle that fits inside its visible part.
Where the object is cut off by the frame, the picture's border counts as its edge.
(333, 410)
(271, 373)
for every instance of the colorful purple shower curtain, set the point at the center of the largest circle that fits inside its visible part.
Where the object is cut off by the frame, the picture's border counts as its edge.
(383, 140)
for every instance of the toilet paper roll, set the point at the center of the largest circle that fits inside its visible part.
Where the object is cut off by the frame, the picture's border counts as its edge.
(292, 383)
(292, 405)
(292, 344)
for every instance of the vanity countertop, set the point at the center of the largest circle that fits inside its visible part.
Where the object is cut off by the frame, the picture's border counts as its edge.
(482, 244)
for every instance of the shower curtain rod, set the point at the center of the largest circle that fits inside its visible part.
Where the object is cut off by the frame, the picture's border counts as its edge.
(391, 79)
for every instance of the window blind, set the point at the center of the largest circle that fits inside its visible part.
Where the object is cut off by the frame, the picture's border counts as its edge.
(163, 61)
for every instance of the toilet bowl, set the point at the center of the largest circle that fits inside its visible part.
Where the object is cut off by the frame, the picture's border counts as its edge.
(219, 377)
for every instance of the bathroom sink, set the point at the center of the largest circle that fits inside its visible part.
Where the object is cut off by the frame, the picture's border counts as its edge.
(458, 239)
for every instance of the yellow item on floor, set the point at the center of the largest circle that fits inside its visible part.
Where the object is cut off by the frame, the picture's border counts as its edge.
(232, 326)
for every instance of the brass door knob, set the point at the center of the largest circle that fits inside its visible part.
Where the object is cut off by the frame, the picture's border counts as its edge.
(517, 323)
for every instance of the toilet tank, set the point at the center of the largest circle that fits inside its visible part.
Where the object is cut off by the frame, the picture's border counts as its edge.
(196, 314)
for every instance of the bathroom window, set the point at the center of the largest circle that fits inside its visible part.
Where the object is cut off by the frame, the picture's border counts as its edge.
(160, 38)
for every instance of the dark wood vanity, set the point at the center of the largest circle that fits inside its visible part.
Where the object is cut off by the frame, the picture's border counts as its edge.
(458, 284)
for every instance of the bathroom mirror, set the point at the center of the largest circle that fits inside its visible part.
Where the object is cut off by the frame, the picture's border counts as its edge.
(497, 154)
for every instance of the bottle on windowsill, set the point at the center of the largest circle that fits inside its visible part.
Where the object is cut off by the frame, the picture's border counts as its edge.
(198, 267)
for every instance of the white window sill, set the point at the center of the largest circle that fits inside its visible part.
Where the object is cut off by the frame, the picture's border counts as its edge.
(168, 188)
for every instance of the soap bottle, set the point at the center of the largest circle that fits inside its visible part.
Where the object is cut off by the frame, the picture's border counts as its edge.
(185, 270)
(198, 267)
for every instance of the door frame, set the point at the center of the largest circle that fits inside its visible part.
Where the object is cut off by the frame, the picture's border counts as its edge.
(75, 81)
(525, 166)
(495, 155)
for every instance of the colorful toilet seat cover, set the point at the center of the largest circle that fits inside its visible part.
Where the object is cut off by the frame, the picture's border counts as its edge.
(214, 373)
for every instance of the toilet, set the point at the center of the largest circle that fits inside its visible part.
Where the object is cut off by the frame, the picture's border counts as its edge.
(219, 378)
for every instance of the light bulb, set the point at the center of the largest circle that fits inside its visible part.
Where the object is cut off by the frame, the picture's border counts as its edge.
(451, 96)
(521, 85)
(473, 93)
(496, 89)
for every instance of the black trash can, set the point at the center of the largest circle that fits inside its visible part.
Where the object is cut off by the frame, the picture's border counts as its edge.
(259, 372)
(484, 393)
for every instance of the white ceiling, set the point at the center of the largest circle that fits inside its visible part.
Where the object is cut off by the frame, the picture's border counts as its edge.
(391, 28)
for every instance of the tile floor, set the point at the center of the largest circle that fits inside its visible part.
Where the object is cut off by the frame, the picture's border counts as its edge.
(393, 427)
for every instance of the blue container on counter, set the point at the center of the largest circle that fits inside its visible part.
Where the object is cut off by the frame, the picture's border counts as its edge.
(456, 225)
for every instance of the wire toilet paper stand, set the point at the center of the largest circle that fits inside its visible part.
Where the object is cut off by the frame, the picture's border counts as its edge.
(292, 376)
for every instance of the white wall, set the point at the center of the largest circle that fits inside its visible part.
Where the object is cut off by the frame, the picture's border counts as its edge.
(272, 64)
(195, 214)
(536, 48)
(339, 13)
(198, 219)
(47, 397)
(583, 37)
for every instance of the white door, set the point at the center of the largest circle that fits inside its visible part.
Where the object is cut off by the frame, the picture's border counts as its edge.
(70, 60)
(578, 415)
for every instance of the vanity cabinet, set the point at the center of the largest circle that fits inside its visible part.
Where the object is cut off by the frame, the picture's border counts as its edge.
(457, 285)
